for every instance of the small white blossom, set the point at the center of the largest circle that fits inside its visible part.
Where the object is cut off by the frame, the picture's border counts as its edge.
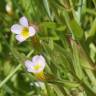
(8, 8)
(37, 64)
(23, 30)
(39, 84)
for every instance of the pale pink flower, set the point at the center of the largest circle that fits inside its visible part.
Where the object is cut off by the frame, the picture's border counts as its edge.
(36, 65)
(23, 30)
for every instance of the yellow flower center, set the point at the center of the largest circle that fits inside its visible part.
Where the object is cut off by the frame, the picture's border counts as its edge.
(25, 32)
(36, 67)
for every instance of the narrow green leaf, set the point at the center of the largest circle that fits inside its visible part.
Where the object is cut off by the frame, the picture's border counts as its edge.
(76, 61)
(46, 5)
(58, 91)
(76, 29)
(93, 29)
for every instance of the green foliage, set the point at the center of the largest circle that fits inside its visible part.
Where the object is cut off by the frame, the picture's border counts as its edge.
(66, 31)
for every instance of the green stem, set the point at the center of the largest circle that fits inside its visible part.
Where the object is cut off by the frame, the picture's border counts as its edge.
(10, 75)
(14, 71)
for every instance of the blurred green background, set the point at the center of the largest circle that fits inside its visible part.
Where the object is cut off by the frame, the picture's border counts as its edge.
(66, 37)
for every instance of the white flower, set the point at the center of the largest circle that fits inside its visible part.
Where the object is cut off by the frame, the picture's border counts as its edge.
(39, 84)
(23, 30)
(8, 8)
(37, 64)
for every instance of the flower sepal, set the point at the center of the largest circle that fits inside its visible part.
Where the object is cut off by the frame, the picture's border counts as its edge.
(40, 76)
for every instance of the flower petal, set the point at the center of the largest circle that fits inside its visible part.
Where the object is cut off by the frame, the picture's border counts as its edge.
(28, 65)
(38, 58)
(16, 28)
(32, 31)
(23, 21)
(35, 58)
(20, 38)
